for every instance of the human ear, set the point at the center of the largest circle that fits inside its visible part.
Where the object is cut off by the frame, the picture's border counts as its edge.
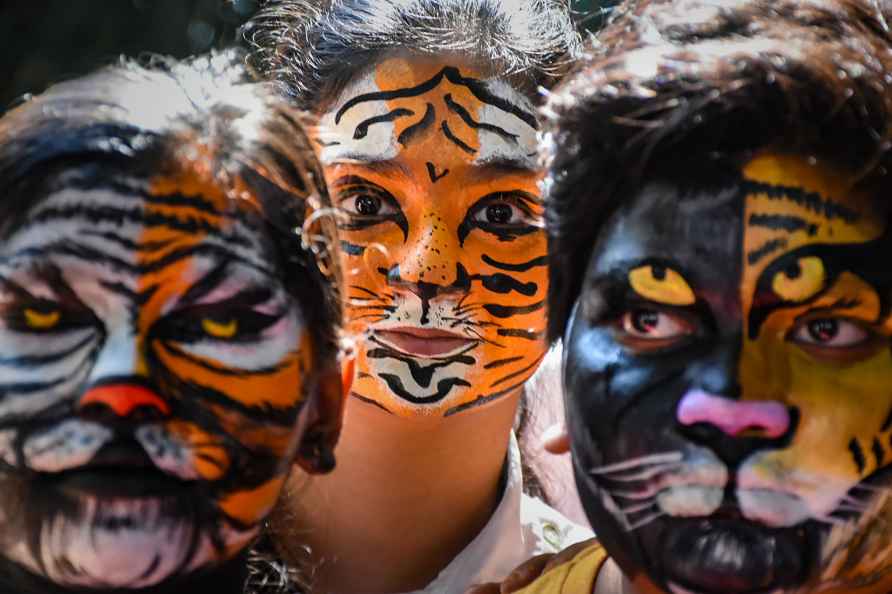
(315, 455)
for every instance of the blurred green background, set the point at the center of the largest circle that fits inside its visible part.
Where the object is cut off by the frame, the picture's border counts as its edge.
(44, 41)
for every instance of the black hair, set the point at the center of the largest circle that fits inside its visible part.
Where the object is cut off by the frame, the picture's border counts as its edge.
(674, 86)
(167, 117)
(313, 48)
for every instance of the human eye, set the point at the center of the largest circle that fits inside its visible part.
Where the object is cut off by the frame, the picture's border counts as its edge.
(647, 328)
(830, 333)
(364, 200)
(238, 319)
(39, 316)
(505, 214)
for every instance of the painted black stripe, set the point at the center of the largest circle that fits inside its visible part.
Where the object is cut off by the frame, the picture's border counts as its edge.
(220, 370)
(528, 371)
(210, 281)
(480, 401)
(765, 250)
(456, 140)
(46, 359)
(888, 422)
(809, 200)
(409, 134)
(466, 117)
(521, 267)
(878, 453)
(351, 248)
(362, 130)
(120, 216)
(501, 362)
(857, 455)
(126, 243)
(507, 311)
(504, 284)
(787, 223)
(444, 386)
(127, 190)
(372, 402)
(517, 333)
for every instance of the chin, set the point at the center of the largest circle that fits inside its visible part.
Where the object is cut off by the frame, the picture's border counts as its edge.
(79, 540)
(728, 555)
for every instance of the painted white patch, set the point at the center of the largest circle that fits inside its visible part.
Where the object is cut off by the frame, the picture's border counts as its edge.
(690, 500)
(380, 142)
(7, 453)
(495, 147)
(171, 453)
(69, 444)
(763, 479)
(693, 488)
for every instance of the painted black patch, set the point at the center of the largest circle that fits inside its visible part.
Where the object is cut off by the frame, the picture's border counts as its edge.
(434, 175)
(362, 130)
(409, 134)
(444, 386)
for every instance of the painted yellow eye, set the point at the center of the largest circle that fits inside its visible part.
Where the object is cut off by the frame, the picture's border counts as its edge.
(42, 320)
(661, 285)
(801, 281)
(219, 329)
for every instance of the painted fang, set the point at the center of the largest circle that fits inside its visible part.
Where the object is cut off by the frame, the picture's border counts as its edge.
(433, 168)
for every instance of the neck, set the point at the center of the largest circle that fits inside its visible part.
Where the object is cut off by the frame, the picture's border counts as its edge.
(417, 491)
(228, 578)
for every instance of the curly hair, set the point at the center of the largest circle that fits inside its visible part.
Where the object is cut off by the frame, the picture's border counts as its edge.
(669, 86)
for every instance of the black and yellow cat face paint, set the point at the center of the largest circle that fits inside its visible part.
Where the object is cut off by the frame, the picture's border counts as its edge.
(728, 376)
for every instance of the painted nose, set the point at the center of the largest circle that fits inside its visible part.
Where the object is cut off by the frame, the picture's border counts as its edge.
(733, 417)
(123, 399)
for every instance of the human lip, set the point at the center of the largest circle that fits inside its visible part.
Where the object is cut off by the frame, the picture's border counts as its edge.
(423, 342)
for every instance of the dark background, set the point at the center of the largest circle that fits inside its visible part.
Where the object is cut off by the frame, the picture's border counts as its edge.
(44, 41)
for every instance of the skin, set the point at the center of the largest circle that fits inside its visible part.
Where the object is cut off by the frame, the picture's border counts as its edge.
(444, 261)
(146, 337)
(761, 372)
(432, 165)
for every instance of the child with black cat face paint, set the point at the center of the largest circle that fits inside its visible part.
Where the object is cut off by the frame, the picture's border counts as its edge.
(167, 328)
(725, 303)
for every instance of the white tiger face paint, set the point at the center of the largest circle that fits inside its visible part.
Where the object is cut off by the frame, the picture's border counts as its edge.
(152, 372)
(433, 167)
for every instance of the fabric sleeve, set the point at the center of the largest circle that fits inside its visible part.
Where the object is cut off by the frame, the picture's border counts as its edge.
(577, 576)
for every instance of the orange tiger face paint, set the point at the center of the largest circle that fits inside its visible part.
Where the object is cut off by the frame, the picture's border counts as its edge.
(433, 169)
(152, 375)
(728, 372)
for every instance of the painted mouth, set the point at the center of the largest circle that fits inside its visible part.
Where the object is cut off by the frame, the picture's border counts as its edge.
(423, 342)
(118, 469)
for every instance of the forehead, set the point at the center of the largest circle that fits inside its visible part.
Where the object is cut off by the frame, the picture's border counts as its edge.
(116, 214)
(666, 220)
(384, 111)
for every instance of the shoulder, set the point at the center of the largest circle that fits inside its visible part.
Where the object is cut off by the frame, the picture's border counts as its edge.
(547, 530)
(576, 575)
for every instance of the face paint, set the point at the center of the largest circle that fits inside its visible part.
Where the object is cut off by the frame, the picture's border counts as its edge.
(746, 325)
(152, 372)
(434, 170)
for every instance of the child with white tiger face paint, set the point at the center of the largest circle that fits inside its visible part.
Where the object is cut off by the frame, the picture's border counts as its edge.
(165, 338)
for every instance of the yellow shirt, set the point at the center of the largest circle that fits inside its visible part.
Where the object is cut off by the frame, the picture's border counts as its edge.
(576, 576)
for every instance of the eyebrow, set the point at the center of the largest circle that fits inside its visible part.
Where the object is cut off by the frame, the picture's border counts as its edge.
(490, 167)
(382, 166)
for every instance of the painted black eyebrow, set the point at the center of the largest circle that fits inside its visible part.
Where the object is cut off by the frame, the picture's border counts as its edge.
(52, 275)
(362, 129)
(468, 119)
(452, 74)
(206, 284)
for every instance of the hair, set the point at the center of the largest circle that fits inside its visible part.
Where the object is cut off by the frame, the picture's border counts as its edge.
(673, 86)
(313, 48)
(200, 117)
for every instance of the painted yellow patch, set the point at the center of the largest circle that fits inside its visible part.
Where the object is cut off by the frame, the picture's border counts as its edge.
(801, 284)
(42, 320)
(661, 286)
(219, 329)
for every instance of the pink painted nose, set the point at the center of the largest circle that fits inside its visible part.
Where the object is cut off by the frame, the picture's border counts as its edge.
(732, 416)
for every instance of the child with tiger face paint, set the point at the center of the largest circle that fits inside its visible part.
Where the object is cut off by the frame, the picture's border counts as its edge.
(167, 339)
(427, 135)
(726, 317)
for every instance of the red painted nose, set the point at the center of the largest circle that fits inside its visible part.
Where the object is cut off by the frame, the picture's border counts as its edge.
(124, 398)
(732, 416)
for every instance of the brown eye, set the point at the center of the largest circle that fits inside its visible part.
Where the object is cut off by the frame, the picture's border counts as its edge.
(368, 205)
(499, 214)
(651, 324)
(830, 333)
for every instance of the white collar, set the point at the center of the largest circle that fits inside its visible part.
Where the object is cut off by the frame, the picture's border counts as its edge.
(521, 527)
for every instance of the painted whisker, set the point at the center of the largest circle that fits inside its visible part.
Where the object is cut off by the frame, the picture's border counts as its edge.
(632, 463)
(644, 521)
(644, 474)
